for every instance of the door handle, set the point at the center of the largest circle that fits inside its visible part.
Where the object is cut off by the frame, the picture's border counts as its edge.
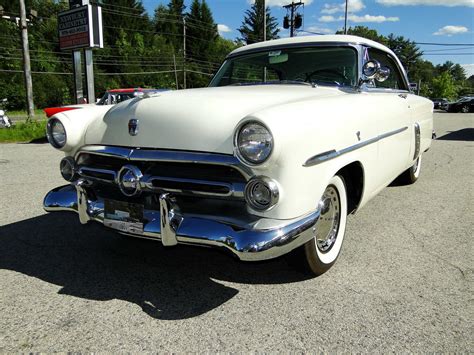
(403, 96)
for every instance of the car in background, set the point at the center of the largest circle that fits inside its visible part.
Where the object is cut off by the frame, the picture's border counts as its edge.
(439, 103)
(464, 105)
(111, 97)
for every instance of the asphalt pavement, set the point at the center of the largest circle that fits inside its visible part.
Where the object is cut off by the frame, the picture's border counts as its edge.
(404, 280)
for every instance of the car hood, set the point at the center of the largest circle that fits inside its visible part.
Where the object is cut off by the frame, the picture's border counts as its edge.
(197, 119)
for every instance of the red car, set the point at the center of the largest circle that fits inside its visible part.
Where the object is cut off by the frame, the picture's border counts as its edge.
(111, 97)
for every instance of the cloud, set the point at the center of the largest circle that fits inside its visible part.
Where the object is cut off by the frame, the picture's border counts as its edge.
(327, 18)
(449, 3)
(450, 30)
(370, 18)
(358, 19)
(272, 3)
(469, 68)
(223, 28)
(317, 29)
(352, 6)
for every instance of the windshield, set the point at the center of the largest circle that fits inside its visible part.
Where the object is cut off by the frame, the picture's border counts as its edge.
(315, 65)
(114, 98)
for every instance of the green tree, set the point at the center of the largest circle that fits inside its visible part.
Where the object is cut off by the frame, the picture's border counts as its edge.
(251, 30)
(406, 50)
(457, 71)
(365, 32)
(443, 86)
(129, 15)
(201, 37)
(168, 21)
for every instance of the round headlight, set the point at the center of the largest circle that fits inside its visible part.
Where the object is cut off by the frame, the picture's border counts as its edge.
(56, 133)
(254, 143)
(261, 193)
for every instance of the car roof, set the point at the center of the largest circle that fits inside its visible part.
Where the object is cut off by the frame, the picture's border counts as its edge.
(312, 39)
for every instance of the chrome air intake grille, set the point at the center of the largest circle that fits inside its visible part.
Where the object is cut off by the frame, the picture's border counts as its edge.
(182, 173)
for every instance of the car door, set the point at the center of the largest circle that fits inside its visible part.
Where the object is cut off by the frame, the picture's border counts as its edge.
(395, 123)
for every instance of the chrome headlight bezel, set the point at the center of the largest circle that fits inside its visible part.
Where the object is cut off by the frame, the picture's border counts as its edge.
(238, 149)
(50, 134)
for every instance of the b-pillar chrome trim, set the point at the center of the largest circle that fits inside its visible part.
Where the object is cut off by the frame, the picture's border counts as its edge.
(247, 242)
(331, 154)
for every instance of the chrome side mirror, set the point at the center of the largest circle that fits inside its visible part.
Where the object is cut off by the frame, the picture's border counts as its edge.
(382, 74)
(373, 70)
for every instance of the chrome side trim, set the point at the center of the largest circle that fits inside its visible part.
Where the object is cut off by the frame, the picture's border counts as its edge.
(331, 154)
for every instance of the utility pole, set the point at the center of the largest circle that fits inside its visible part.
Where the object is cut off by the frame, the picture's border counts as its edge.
(184, 51)
(294, 20)
(264, 21)
(345, 19)
(175, 72)
(26, 60)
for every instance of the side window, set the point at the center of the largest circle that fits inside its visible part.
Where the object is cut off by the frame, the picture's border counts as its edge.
(395, 80)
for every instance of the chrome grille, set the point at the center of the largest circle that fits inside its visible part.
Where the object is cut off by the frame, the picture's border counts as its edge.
(182, 173)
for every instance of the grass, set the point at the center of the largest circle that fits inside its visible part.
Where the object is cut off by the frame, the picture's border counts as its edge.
(22, 115)
(23, 132)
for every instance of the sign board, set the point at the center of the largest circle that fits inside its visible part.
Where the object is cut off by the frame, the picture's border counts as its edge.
(80, 27)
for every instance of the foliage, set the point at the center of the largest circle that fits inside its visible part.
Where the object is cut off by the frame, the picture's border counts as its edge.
(251, 29)
(23, 132)
(365, 32)
(443, 86)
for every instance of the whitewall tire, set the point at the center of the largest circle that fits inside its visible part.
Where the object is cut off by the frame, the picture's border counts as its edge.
(412, 174)
(321, 252)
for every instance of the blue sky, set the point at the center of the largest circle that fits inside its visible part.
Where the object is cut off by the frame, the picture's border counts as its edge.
(440, 21)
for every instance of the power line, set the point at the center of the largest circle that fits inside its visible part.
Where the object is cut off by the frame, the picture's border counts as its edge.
(34, 72)
(447, 49)
(450, 54)
(141, 73)
(444, 44)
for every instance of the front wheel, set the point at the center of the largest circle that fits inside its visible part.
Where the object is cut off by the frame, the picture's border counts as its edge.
(320, 253)
(465, 109)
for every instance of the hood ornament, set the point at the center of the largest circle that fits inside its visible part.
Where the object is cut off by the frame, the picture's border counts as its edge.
(133, 127)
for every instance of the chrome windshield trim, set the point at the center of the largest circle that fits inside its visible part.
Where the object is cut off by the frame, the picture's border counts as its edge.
(331, 154)
(157, 155)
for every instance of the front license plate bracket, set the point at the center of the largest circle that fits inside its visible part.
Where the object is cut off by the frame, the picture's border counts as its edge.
(123, 216)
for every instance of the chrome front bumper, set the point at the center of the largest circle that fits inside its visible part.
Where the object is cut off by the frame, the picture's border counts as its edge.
(171, 227)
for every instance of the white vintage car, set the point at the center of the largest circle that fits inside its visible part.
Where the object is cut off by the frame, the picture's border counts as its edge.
(290, 136)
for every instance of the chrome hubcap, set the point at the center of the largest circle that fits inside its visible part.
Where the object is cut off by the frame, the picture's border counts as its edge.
(327, 226)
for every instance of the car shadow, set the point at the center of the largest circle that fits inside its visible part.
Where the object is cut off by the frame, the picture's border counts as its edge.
(465, 134)
(97, 264)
